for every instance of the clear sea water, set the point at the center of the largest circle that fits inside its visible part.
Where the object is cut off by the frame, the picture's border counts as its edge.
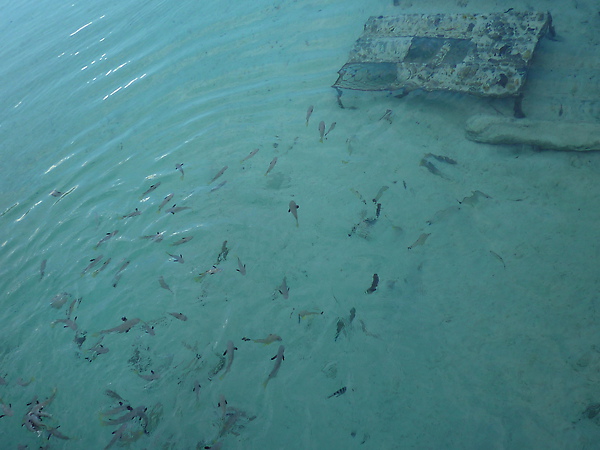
(486, 336)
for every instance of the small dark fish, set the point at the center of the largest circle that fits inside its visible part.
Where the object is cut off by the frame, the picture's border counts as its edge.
(180, 168)
(338, 392)
(271, 165)
(221, 172)
(104, 264)
(43, 268)
(352, 315)
(341, 324)
(252, 153)
(154, 186)
(374, 284)
(441, 158)
(498, 257)
(387, 116)
(294, 210)
(56, 193)
(321, 130)
(309, 111)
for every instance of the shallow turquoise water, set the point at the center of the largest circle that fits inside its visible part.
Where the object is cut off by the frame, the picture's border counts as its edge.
(482, 337)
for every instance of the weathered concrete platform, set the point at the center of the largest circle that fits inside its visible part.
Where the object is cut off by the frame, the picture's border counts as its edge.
(544, 134)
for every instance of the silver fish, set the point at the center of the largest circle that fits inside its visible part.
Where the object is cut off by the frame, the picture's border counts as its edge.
(230, 350)
(133, 413)
(116, 279)
(74, 303)
(180, 168)
(104, 264)
(221, 172)
(175, 209)
(252, 153)
(59, 300)
(53, 431)
(211, 271)
(309, 111)
(331, 127)
(155, 237)
(178, 259)
(183, 240)
(6, 410)
(166, 200)
(241, 267)
(278, 358)
(284, 289)
(150, 189)
(271, 165)
(117, 435)
(92, 263)
(106, 238)
(137, 212)
(294, 210)
(127, 325)
(179, 316)
(148, 329)
(68, 323)
(321, 130)
(218, 186)
(153, 376)
(21, 382)
(380, 193)
(268, 340)
(123, 267)
(164, 285)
